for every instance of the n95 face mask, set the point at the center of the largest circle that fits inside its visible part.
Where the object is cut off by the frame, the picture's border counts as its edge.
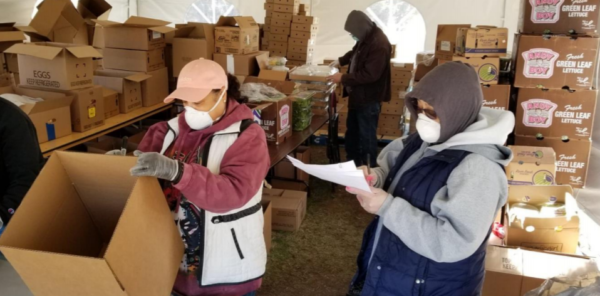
(199, 120)
(428, 129)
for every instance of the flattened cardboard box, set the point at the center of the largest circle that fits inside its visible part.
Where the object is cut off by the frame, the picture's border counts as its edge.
(275, 118)
(556, 62)
(445, 42)
(51, 118)
(572, 158)
(554, 234)
(55, 66)
(134, 60)
(243, 65)
(192, 42)
(111, 103)
(95, 222)
(289, 208)
(559, 17)
(137, 33)
(488, 69)
(496, 96)
(532, 166)
(556, 113)
(57, 21)
(128, 86)
(237, 35)
(482, 41)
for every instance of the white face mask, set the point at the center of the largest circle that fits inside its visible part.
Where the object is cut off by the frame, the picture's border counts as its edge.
(199, 120)
(428, 129)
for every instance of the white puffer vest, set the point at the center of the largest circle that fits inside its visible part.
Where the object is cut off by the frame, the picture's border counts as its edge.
(233, 243)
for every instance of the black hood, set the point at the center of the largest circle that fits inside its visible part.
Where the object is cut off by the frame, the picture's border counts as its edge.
(359, 24)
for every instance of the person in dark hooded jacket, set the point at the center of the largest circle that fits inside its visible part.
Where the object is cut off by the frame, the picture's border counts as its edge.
(436, 193)
(367, 84)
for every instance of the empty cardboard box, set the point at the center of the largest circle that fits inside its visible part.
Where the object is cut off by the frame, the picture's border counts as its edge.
(57, 21)
(134, 60)
(237, 35)
(55, 66)
(154, 89)
(192, 41)
(289, 208)
(137, 33)
(243, 65)
(531, 166)
(128, 86)
(86, 227)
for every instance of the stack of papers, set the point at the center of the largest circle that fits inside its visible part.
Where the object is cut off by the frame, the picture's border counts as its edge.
(345, 174)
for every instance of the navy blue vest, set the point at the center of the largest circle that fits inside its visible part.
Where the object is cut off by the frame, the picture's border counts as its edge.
(395, 269)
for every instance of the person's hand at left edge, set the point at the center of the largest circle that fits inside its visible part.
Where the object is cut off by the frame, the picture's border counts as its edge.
(336, 78)
(156, 165)
(370, 201)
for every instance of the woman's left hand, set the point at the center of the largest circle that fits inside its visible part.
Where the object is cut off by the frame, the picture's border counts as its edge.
(155, 165)
(370, 201)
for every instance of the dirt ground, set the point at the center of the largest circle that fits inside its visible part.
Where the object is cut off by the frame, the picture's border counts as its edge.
(319, 259)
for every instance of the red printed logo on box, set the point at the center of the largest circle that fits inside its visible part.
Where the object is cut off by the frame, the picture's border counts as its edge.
(538, 113)
(284, 114)
(545, 11)
(539, 63)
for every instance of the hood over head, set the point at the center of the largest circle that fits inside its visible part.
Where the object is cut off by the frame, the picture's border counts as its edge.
(454, 91)
(359, 24)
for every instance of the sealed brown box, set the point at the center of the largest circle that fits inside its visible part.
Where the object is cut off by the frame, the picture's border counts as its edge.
(278, 45)
(401, 81)
(286, 170)
(111, 103)
(393, 107)
(57, 21)
(310, 20)
(269, 6)
(531, 166)
(301, 42)
(304, 57)
(390, 122)
(572, 158)
(488, 69)
(278, 52)
(289, 208)
(278, 38)
(556, 62)
(275, 118)
(556, 113)
(559, 17)
(516, 271)
(52, 117)
(423, 69)
(286, 8)
(134, 60)
(540, 232)
(268, 20)
(303, 35)
(269, 13)
(268, 224)
(55, 66)
(237, 35)
(137, 33)
(305, 27)
(267, 28)
(283, 16)
(287, 2)
(482, 41)
(281, 30)
(192, 42)
(244, 65)
(496, 96)
(281, 23)
(128, 86)
(445, 42)
(397, 132)
(301, 48)
(95, 218)
(402, 69)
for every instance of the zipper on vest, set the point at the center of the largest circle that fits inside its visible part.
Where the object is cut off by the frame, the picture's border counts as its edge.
(202, 227)
(237, 245)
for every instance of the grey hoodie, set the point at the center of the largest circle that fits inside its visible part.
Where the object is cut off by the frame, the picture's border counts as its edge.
(463, 210)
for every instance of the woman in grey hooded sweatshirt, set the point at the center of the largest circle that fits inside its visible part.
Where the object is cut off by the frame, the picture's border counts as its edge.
(436, 193)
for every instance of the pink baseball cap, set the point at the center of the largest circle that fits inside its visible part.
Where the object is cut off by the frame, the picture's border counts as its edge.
(197, 79)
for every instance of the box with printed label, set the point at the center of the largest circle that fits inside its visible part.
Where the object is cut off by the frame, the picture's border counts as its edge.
(275, 119)
(293, 9)
(445, 42)
(237, 35)
(289, 208)
(556, 113)
(572, 158)
(283, 16)
(51, 117)
(555, 62)
(310, 20)
(393, 107)
(559, 17)
(128, 86)
(301, 48)
(531, 166)
(281, 23)
(482, 41)
(102, 216)
(303, 35)
(57, 21)
(134, 60)
(299, 27)
(192, 42)
(111, 103)
(137, 33)
(496, 96)
(488, 69)
(552, 225)
(244, 65)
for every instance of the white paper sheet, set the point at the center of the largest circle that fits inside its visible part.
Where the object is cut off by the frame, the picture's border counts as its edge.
(345, 173)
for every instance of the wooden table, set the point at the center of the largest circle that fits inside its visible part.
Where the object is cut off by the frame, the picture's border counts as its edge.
(279, 152)
(112, 124)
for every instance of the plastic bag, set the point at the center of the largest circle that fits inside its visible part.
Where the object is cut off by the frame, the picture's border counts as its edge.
(276, 62)
(312, 70)
(20, 100)
(258, 92)
(563, 287)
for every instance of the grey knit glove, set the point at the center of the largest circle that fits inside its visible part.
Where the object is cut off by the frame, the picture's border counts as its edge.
(156, 165)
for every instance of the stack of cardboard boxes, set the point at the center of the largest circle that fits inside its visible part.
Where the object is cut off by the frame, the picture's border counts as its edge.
(391, 118)
(302, 40)
(555, 76)
(9, 36)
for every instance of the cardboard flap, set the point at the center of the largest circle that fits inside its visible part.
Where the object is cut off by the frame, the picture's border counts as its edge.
(538, 155)
(107, 23)
(12, 36)
(538, 194)
(237, 21)
(138, 77)
(162, 29)
(448, 32)
(203, 31)
(47, 104)
(144, 22)
(486, 27)
(7, 26)
(42, 52)
(27, 29)
(84, 52)
(183, 32)
(92, 9)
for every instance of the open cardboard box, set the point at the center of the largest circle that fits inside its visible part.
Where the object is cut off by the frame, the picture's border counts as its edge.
(445, 41)
(57, 21)
(137, 33)
(9, 36)
(558, 234)
(51, 118)
(93, 10)
(237, 35)
(134, 60)
(86, 227)
(532, 166)
(241, 64)
(154, 89)
(191, 42)
(128, 86)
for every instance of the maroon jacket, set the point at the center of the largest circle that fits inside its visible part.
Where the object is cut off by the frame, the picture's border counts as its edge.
(243, 170)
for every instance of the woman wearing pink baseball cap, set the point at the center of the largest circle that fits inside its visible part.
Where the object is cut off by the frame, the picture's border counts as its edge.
(212, 159)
